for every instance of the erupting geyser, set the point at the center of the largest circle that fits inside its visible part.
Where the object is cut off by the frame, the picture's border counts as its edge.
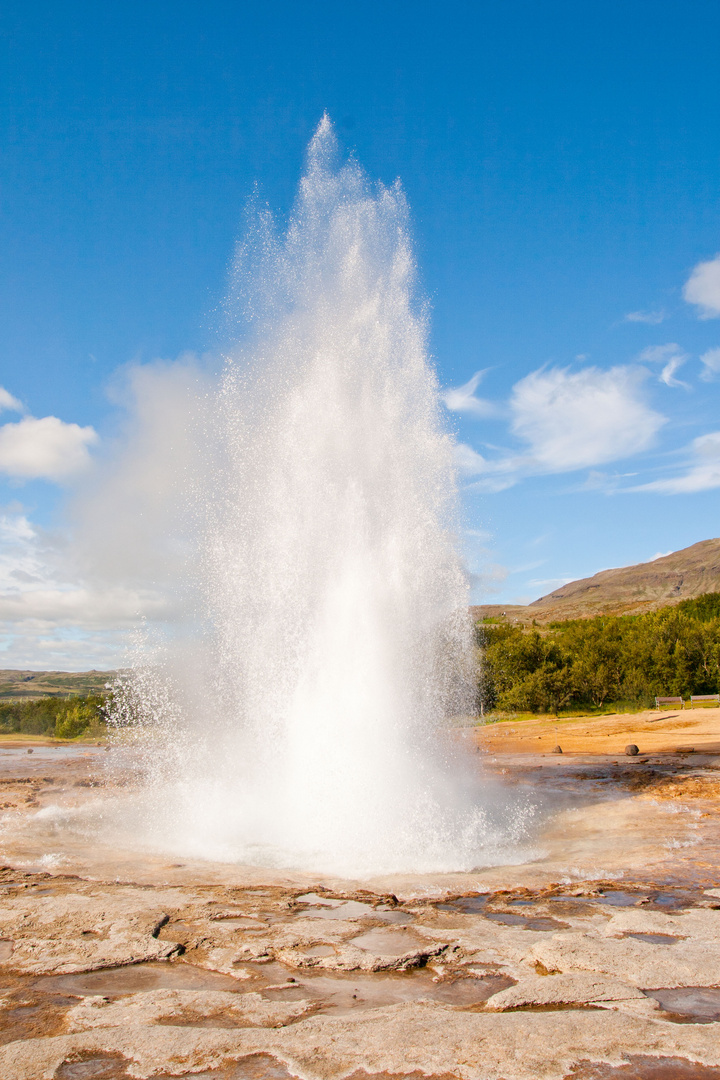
(302, 723)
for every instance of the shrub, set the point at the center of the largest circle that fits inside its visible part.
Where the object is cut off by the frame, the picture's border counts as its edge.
(593, 662)
(63, 718)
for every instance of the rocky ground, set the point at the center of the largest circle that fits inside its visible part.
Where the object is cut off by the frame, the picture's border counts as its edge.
(599, 957)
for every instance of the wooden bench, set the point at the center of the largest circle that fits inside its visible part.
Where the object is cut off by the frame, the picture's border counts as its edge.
(703, 698)
(666, 702)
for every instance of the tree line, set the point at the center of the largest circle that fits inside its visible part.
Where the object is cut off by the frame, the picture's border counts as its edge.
(61, 718)
(592, 663)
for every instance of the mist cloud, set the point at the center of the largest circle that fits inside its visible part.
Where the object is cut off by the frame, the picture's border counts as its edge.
(69, 595)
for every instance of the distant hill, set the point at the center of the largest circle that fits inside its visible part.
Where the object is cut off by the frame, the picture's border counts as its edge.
(25, 685)
(628, 590)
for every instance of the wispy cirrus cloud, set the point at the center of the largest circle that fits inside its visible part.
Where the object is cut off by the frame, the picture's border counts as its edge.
(490, 475)
(652, 318)
(464, 400)
(672, 357)
(711, 365)
(550, 583)
(701, 471)
(702, 289)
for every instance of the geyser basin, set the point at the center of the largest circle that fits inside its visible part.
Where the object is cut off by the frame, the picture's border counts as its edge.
(300, 721)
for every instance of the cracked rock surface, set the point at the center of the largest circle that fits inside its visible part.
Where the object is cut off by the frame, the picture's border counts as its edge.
(251, 975)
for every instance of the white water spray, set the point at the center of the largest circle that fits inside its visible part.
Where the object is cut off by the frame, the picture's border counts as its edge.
(304, 725)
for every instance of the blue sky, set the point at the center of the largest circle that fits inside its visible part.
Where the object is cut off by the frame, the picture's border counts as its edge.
(562, 164)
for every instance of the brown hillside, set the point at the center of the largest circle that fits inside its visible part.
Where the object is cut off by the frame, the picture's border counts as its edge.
(628, 590)
(18, 685)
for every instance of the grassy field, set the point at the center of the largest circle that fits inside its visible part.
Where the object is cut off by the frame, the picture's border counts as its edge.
(29, 685)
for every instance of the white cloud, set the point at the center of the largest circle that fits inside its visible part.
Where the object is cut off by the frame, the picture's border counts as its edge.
(47, 448)
(703, 288)
(652, 318)
(582, 419)
(569, 421)
(671, 356)
(667, 375)
(703, 473)
(711, 365)
(551, 583)
(463, 399)
(469, 462)
(494, 474)
(658, 354)
(8, 402)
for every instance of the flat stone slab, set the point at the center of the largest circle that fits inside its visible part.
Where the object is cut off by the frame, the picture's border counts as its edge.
(137, 967)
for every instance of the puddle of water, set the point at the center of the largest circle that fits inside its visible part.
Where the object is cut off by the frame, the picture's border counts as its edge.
(94, 1067)
(135, 978)
(323, 908)
(54, 752)
(350, 909)
(616, 898)
(241, 923)
(289, 992)
(689, 1004)
(657, 901)
(114, 1067)
(672, 901)
(23, 1019)
(653, 900)
(319, 950)
(361, 1074)
(526, 922)
(337, 993)
(341, 994)
(467, 905)
(322, 901)
(477, 905)
(654, 939)
(254, 1067)
(392, 915)
(639, 1067)
(383, 942)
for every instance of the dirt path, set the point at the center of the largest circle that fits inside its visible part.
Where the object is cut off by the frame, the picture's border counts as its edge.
(653, 732)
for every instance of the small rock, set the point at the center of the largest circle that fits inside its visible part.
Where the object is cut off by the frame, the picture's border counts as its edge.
(631, 750)
(30, 751)
(556, 750)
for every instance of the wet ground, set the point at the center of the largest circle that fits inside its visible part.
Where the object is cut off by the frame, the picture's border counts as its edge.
(598, 957)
